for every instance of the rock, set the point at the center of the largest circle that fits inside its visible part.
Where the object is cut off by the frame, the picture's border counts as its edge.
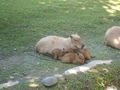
(49, 81)
(86, 67)
(15, 49)
(60, 77)
(111, 88)
(8, 84)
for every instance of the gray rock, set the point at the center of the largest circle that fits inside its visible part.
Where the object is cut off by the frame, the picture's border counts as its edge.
(49, 81)
(86, 67)
(60, 77)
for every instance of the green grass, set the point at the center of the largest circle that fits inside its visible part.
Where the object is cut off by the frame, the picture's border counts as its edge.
(24, 22)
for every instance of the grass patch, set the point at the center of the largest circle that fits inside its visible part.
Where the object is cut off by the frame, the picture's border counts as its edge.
(24, 22)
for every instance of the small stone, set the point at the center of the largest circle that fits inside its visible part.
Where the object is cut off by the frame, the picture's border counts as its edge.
(49, 81)
(15, 49)
(11, 77)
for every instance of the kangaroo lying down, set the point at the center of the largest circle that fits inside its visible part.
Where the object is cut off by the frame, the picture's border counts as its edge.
(86, 53)
(112, 37)
(72, 55)
(50, 43)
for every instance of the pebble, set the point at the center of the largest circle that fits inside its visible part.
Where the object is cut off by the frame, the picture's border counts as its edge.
(49, 81)
(15, 49)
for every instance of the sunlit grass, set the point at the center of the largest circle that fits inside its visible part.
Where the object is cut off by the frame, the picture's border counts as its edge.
(111, 6)
(24, 22)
